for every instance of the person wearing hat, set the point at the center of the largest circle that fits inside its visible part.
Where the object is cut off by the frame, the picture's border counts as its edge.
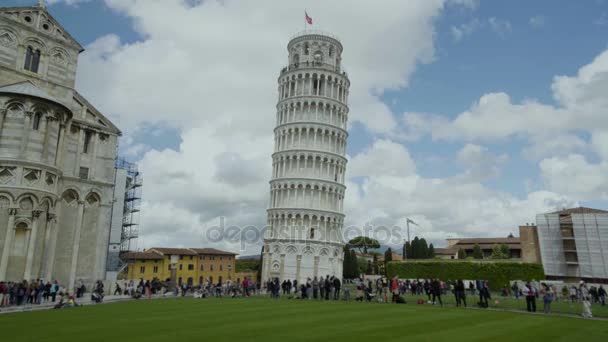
(585, 297)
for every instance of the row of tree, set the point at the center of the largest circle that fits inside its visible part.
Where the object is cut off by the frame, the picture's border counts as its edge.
(418, 249)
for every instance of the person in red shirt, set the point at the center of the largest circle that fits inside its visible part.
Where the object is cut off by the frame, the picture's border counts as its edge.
(395, 289)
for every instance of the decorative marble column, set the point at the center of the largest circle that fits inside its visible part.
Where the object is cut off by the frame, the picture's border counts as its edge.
(47, 136)
(63, 131)
(2, 116)
(282, 268)
(76, 246)
(46, 248)
(27, 274)
(26, 134)
(95, 141)
(316, 267)
(8, 241)
(298, 266)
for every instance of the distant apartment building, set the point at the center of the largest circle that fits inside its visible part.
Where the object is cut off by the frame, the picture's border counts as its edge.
(185, 265)
(574, 244)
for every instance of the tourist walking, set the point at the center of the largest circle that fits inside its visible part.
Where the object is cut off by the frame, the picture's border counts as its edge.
(530, 297)
(602, 294)
(548, 296)
(585, 297)
(484, 294)
(460, 293)
(435, 289)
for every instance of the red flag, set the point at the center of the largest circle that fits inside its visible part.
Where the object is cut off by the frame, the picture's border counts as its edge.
(308, 19)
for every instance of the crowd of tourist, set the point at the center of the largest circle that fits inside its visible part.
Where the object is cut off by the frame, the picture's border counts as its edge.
(35, 292)
(327, 288)
(323, 288)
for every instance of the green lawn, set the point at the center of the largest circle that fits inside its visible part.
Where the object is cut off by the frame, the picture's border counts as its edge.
(285, 320)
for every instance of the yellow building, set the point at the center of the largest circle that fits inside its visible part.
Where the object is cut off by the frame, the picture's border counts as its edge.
(191, 265)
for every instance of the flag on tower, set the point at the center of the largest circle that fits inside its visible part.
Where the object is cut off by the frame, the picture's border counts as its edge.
(308, 18)
(412, 222)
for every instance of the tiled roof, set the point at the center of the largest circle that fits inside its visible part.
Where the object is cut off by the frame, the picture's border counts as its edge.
(142, 256)
(212, 251)
(173, 251)
(444, 251)
(580, 210)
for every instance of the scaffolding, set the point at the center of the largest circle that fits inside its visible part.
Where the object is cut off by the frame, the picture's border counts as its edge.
(132, 204)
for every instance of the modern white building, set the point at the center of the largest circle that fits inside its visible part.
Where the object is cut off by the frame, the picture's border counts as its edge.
(574, 244)
(305, 216)
(57, 155)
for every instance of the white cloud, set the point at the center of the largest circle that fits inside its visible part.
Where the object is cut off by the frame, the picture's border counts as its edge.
(460, 31)
(383, 158)
(479, 162)
(574, 175)
(500, 26)
(537, 21)
(455, 206)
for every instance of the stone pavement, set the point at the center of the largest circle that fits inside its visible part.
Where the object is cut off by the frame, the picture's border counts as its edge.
(86, 300)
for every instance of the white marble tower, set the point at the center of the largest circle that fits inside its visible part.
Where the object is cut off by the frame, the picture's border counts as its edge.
(305, 216)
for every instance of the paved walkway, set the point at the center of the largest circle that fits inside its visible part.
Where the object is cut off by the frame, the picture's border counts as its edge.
(86, 300)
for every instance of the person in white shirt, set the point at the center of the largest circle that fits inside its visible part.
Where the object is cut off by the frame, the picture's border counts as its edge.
(586, 298)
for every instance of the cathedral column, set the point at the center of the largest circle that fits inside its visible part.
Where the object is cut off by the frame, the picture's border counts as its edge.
(282, 268)
(316, 268)
(93, 166)
(79, 144)
(8, 240)
(26, 134)
(2, 116)
(50, 218)
(54, 233)
(76, 246)
(298, 265)
(47, 135)
(63, 131)
(27, 274)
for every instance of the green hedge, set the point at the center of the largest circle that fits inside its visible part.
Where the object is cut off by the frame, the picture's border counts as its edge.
(498, 274)
(247, 265)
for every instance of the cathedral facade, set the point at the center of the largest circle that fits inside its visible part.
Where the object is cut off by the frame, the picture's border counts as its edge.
(57, 156)
(305, 215)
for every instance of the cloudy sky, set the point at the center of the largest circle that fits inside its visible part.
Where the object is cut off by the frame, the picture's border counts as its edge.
(468, 117)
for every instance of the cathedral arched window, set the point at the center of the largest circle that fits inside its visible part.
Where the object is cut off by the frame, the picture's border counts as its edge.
(312, 233)
(306, 49)
(32, 59)
(331, 51)
(36, 123)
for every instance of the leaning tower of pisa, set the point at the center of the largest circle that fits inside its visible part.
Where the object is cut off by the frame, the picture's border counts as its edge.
(305, 218)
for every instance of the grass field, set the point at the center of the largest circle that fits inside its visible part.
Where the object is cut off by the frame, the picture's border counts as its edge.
(264, 319)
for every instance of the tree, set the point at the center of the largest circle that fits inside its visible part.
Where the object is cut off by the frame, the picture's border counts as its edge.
(498, 253)
(407, 251)
(354, 264)
(461, 254)
(477, 252)
(388, 256)
(414, 248)
(424, 249)
(347, 270)
(363, 243)
(375, 264)
(505, 251)
(431, 254)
